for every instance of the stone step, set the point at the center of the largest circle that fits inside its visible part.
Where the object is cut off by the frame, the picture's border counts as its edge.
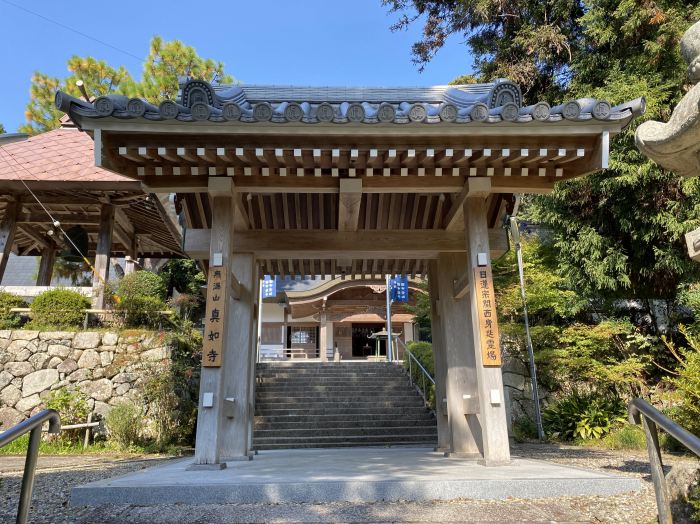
(428, 431)
(263, 423)
(339, 404)
(296, 377)
(368, 412)
(347, 444)
(314, 420)
(329, 388)
(361, 440)
(352, 396)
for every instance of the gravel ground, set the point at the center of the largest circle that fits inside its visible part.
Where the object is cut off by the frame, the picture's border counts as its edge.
(57, 475)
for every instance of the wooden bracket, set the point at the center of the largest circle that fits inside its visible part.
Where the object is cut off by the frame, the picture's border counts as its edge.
(461, 286)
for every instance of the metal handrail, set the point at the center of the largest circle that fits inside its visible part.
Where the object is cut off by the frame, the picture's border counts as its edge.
(32, 426)
(424, 373)
(640, 411)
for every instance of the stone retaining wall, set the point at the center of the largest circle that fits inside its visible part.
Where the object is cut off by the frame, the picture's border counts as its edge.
(106, 366)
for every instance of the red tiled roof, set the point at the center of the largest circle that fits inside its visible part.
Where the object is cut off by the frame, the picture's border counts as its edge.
(61, 155)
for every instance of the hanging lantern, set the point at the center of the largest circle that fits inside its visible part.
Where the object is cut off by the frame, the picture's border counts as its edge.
(78, 239)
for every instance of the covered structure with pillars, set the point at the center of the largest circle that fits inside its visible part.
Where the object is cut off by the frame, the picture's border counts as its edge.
(332, 320)
(52, 176)
(351, 182)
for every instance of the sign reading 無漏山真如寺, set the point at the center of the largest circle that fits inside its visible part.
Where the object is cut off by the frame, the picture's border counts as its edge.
(486, 311)
(215, 314)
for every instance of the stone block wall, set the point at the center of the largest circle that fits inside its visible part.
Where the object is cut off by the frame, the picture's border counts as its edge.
(106, 366)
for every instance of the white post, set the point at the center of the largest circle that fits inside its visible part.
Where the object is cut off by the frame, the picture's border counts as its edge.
(389, 338)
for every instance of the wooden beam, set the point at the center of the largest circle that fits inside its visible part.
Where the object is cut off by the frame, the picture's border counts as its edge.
(48, 258)
(461, 286)
(104, 246)
(349, 200)
(332, 244)
(473, 187)
(8, 227)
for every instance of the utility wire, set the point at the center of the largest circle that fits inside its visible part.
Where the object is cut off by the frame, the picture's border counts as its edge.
(54, 222)
(64, 26)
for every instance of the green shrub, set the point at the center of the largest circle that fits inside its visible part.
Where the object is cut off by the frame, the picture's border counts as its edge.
(170, 405)
(423, 351)
(60, 308)
(627, 436)
(583, 416)
(72, 405)
(141, 295)
(9, 320)
(141, 284)
(687, 383)
(123, 424)
(524, 429)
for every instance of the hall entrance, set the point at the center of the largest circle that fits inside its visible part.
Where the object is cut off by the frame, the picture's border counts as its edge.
(362, 345)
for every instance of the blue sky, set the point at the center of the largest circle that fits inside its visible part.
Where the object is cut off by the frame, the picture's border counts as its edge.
(301, 42)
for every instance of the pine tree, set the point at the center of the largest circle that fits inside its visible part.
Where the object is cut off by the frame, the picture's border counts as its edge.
(165, 64)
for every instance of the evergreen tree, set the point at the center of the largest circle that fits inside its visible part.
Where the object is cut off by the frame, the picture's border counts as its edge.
(2, 129)
(165, 64)
(98, 79)
(618, 232)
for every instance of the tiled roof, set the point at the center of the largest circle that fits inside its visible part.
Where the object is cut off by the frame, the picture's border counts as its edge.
(489, 103)
(61, 155)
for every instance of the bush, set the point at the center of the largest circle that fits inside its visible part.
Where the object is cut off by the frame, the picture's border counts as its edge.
(9, 320)
(625, 437)
(60, 308)
(123, 424)
(687, 383)
(423, 351)
(579, 416)
(524, 429)
(141, 296)
(141, 284)
(72, 405)
(170, 406)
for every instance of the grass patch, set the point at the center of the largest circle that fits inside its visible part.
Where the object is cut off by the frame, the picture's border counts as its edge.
(65, 447)
(627, 436)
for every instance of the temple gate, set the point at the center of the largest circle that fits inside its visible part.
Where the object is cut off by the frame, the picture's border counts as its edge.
(353, 182)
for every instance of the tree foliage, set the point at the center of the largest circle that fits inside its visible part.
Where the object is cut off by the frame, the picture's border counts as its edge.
(618, 232)
(2, 129)
(164, 66)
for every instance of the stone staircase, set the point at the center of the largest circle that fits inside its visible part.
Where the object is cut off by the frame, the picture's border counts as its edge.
(342, 404)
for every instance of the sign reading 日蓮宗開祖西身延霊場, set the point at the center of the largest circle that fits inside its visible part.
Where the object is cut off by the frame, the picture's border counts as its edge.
(486, 311)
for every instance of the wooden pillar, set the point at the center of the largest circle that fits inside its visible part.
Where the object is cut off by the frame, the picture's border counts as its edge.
(490, 380)
(323, 337)
(104, 248)
(48, 258)
(8, 227)
(210, 417)
(461, 381)
(439, 362)
(239, 359)
(256, 342)
(131, 256)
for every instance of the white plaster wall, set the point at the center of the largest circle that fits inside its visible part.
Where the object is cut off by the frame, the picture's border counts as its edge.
(272, 312)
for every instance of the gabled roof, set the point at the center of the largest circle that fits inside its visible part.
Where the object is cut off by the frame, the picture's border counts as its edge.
(59, 168)
(489, 103)
(58, 156)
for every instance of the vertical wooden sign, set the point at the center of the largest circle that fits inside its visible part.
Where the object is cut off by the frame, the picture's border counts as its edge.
(486, 311)
(215, 318)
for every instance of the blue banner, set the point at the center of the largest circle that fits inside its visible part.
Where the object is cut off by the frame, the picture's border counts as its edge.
(269, 287)
(398, 287)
